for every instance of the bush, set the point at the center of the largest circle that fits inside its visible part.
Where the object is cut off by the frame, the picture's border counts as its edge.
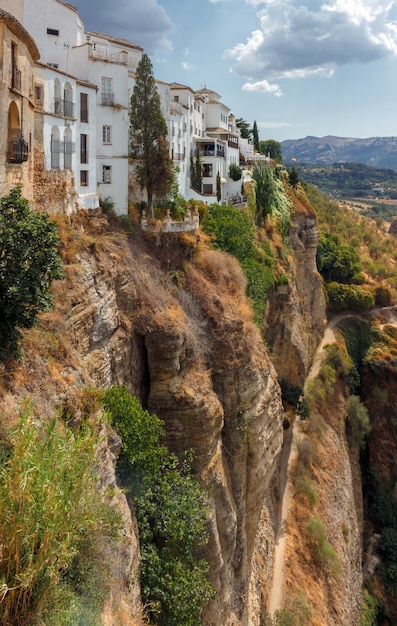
(342, 297)
(235, 172)
(50, 511)
(29, 262)
(171, 510)
(357, 421)
(322, 550)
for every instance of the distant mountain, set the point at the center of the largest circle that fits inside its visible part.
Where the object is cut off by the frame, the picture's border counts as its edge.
(375, 151)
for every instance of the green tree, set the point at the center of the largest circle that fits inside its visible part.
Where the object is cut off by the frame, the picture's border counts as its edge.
(218, 187)
(357, 421)
(148, 135)
(271, 148)
(335, 261)
(29, 262)
(293, 177)
(196, 171)
(244, 127)
(235, 171)
(265, 190)
(255, 136)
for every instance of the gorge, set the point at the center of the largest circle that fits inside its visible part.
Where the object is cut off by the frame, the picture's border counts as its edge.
(169, 319)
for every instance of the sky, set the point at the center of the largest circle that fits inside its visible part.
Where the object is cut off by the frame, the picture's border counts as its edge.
(296, 67)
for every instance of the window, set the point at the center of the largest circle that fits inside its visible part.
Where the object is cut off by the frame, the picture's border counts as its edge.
(176, 98)
(106, 174)
(83, 148)
(207, 170)
(83, 178)
(15, 71)
(38, 93)
(84, 108)
(53, 31)
(106, 91)
(106, 134)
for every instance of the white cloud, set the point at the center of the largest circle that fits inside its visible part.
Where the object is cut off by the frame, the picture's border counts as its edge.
(263, 86)
(296, 41)
(186, 66)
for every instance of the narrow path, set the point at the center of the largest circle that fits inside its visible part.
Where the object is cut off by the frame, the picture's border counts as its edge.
(289, 453)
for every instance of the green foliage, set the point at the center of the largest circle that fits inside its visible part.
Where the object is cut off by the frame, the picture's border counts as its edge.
(235, 172)
(293, 177)
(335, 261)
(271, 148)
(50, 511)
(304, 487)
(234, 230)
(218, 187)
(196, 171)
(369, 609)
(272, 199)
(382, 296)
(357, 421)
(29, 262)
(245, 128)
(255, 136)
(171, 510)
(322, 550)
(148, 133)
(338, 359)
(342, 297)
(353, 180)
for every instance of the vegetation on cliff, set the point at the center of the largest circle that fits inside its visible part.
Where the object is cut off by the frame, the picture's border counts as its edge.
(171, 511)
(29, 262)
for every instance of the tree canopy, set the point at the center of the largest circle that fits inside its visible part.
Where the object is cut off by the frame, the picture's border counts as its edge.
(255, 136)
(245, 128)
(148, 135)
(29, 262)
(272, 148)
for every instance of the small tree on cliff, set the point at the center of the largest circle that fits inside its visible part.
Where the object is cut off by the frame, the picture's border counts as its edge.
(148, 135)
(29, 262)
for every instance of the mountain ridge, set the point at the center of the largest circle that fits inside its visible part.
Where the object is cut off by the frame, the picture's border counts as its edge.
(374, 151)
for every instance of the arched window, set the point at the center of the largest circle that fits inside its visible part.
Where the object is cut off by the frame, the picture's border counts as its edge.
(68, 149)
(55, 147)
(68, 100)
(17, 148)
(58, 108)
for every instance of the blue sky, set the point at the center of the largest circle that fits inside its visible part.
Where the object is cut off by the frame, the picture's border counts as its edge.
(297, 67)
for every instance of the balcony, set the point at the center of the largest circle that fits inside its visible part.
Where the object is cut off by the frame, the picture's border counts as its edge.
(16, 78)
(18, 149)
(63, 107)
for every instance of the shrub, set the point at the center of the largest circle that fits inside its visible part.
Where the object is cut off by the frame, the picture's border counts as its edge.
(304, 487)
(50, 510)
(235, 172)
(341, 297)
(369, 609)
(29, 262)
(171, 510)
(357, 421)
(322, 550)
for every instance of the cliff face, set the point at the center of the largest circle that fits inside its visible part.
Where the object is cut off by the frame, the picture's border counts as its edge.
(296, 312)
(193, 356)
(172, 323)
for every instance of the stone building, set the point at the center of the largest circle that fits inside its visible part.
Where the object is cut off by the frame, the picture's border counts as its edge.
(18, 55)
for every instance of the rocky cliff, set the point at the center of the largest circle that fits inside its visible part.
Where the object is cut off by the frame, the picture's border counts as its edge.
(169, 319)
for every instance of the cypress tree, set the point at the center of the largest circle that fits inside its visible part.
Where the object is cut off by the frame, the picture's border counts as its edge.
(148, 135)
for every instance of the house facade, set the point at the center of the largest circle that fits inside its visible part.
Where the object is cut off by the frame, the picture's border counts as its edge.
(73, 107)
(18, 55)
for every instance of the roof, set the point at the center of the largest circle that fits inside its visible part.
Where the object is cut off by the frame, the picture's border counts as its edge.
(180, 86)
(20, 32)
(209, 92)
(119, 40)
